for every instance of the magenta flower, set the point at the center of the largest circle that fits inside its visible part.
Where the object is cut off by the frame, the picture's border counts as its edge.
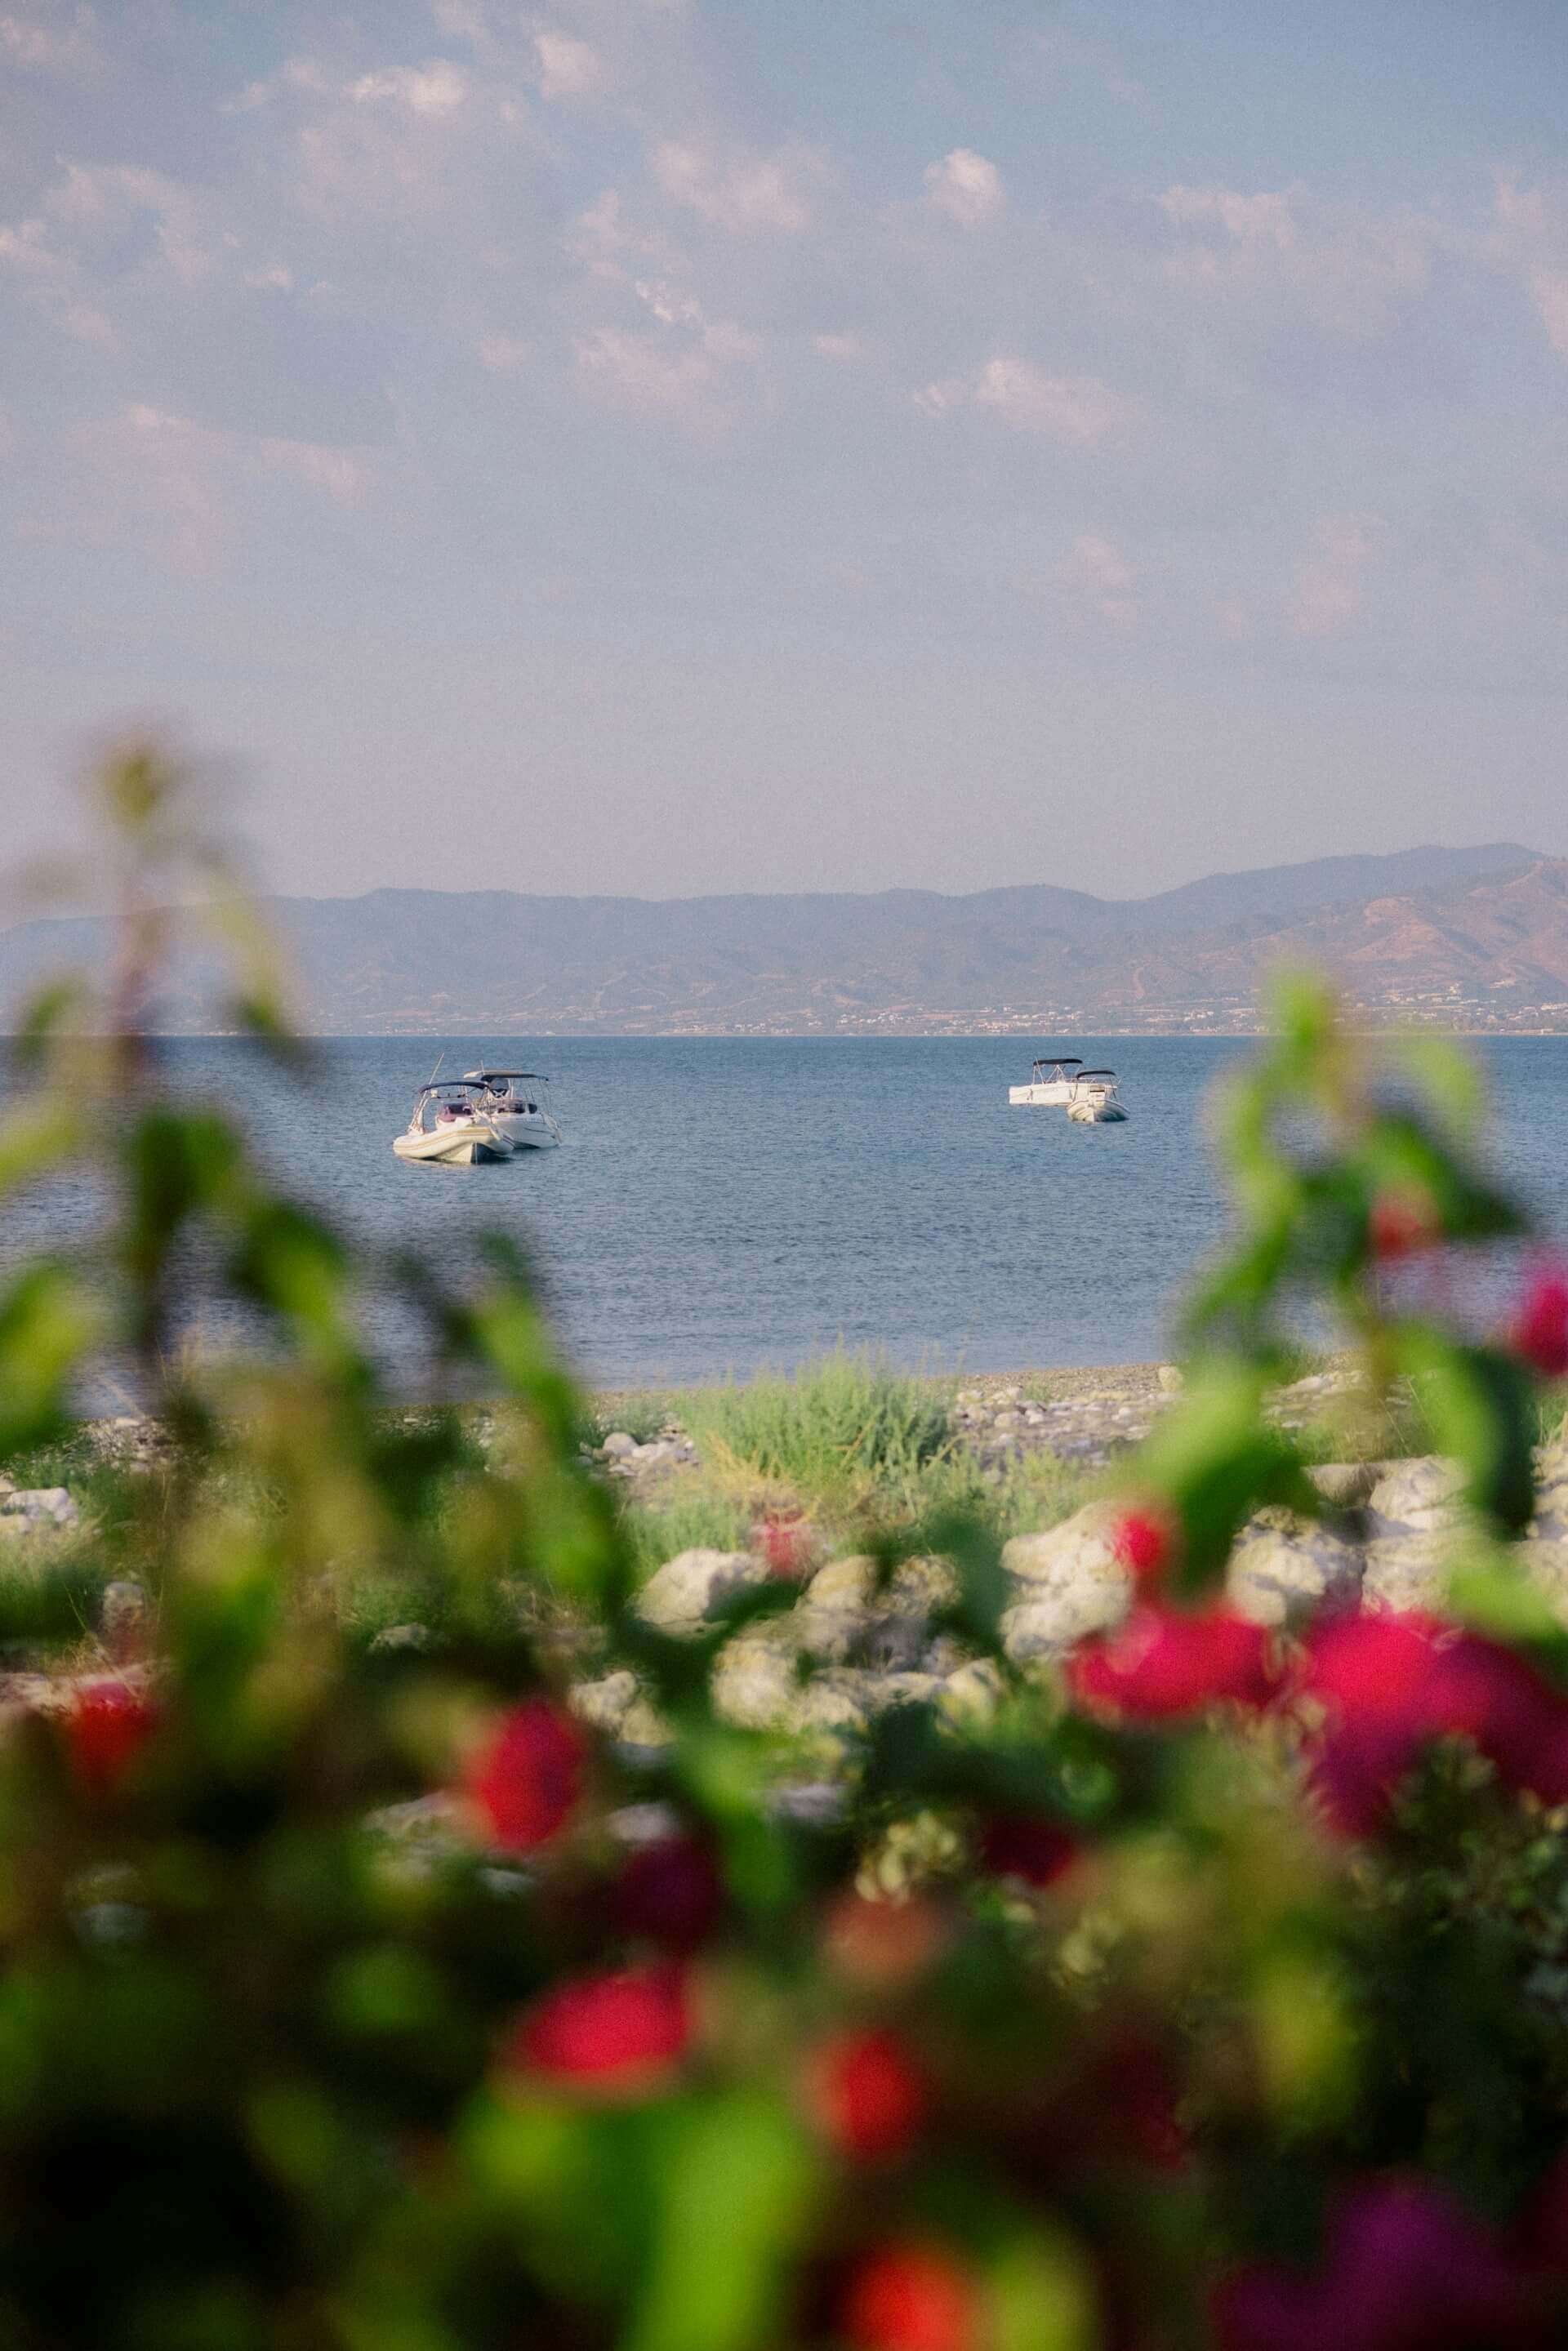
(1402, 2268)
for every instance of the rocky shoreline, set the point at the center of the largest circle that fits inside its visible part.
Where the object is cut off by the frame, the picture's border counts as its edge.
(855, 1643)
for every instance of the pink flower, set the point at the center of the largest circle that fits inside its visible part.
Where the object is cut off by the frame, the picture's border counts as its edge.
(1539, 1330)
(527, 1779)
(617, 2033)
(1404, 2269)
(1144, 1541)
(108, 1726)
(866, 2095)
(1161, 1664)
(1391, 1684)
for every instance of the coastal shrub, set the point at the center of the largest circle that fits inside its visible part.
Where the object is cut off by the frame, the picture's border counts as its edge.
(360, 1993)
(846, 1417)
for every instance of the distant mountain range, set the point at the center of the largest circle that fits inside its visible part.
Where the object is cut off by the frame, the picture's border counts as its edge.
(1469, 937)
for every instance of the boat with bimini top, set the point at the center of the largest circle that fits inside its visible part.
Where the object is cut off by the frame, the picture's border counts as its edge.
(1050, 1082)
(1095, 1101)
(450, 1127)
(513, 1101)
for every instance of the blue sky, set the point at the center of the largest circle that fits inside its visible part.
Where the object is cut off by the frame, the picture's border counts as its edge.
(643, 446)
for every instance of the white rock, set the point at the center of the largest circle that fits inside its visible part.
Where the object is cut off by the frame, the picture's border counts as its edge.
(756, 1677)
(1283, 1567)
(972, 1694)
(1410, 1571)
(41, 1506)
(1347, 1485)
(681, 1595)
(1069, 1581)
(618, 1444)
(604, 1705)
(1416, 1496)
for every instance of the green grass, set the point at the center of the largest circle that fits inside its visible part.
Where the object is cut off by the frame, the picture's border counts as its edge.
(846, 1418)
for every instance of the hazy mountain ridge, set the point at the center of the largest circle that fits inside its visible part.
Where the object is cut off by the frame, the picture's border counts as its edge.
(1487, 926)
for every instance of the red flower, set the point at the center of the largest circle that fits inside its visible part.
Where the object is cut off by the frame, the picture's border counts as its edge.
(866, 2095)
(1143, 1541)
(1401, 1222)
(785, 1543)
(1404, 2269)
(669, 1892)
(617, 2032)
(912, 2298)
(108, 1726)
(1026, 1845)
(1540, 1324)
(1161, 1664)
(527, 1779)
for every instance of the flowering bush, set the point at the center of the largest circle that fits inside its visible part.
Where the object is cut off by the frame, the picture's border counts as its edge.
(355, 1991)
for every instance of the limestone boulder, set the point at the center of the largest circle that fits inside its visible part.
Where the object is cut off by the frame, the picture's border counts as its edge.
(1418, 1496)
(28, 1507)
(1284, 1568)
(605, 1704)
(1069, 1583)
(1410, 1571)
(682, 1596)
(756, 1679)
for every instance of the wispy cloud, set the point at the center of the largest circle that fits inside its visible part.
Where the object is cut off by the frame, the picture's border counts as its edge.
(1075, 409)
(746, 194)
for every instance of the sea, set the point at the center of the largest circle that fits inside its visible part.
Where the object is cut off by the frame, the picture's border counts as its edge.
(722, 1207)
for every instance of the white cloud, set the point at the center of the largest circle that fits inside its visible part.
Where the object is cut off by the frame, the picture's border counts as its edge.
(743, 195)
(568, 68)
(843, 348)
(1075, 409)
(1346, 272)
(274, 277)
(966, 187)
(438, 88)
(52, 40)
(1330, 583)
(1099, 578)
(1259, 219)
(1532, 244)
(645, 373)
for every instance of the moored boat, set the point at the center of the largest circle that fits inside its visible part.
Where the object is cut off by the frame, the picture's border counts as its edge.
(1050, 1083)
(1095, 1101)
(513, 1101)
(449, 1127)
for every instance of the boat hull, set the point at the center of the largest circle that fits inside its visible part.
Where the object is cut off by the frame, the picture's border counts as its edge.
(1052, 1094)
(527, 1130)
(469, 1145)
(1096, 1114)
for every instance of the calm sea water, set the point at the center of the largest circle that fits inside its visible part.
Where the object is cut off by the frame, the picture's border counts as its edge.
(721, 1204)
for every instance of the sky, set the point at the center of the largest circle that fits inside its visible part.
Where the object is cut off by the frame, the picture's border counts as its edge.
(669, 446)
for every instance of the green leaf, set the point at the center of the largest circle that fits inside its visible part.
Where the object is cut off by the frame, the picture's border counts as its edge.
(734, 2179)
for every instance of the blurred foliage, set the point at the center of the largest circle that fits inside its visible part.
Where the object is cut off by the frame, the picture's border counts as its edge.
(355, 1995)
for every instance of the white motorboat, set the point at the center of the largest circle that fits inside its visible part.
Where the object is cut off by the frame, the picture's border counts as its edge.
(449, 1126)
(1095, 1101)
(513, 1101)
(1050, 1083)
